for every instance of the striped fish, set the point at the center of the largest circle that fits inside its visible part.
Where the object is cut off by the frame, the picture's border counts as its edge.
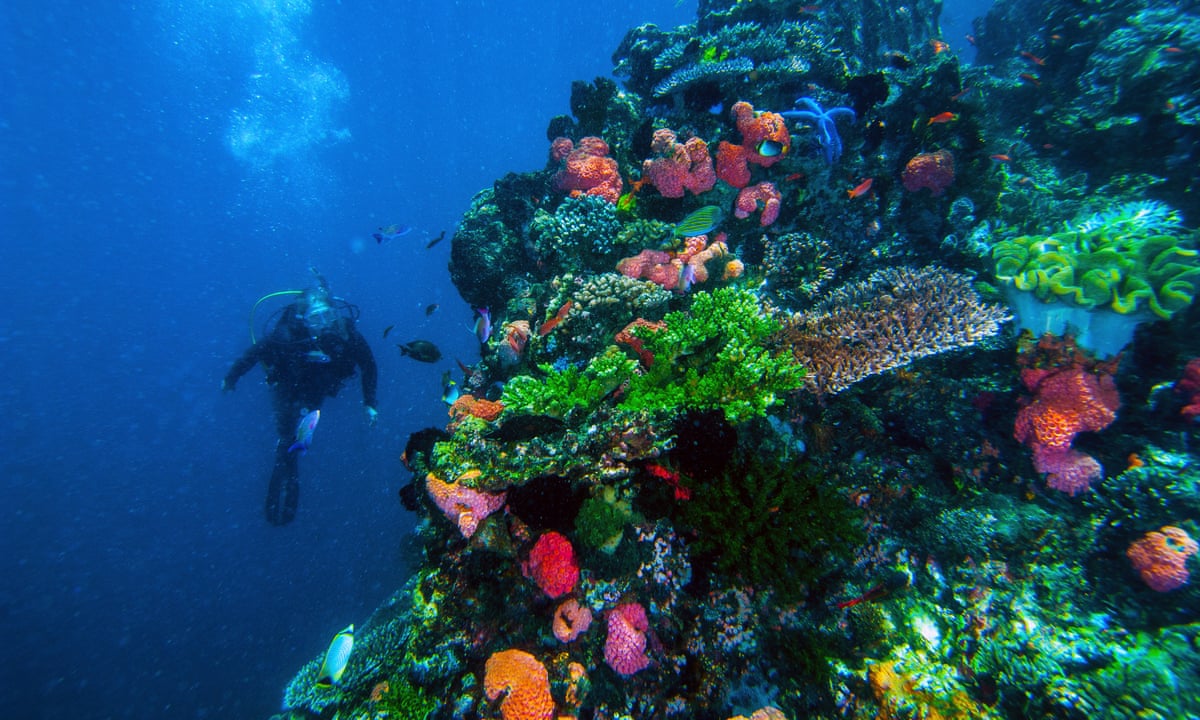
(700, 222)
(336, 658)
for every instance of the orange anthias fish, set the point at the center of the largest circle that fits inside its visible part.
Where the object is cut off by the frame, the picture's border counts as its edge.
(940, 118)
(861, 189)
(1033, 58)
(1031, 79)
(939, 46)
(1001, 157)
(558, 318)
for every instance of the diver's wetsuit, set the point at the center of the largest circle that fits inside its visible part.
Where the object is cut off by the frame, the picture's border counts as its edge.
(302, 372)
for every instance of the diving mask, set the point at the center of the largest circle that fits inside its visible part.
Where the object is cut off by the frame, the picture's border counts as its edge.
(320, 317)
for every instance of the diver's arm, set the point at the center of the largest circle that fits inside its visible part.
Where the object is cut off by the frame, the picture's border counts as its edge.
(242, 365)
(366, 366)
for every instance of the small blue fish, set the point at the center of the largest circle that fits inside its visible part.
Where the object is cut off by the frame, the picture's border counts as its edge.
(336, 658)
(304, 432)
(483, 325)
(391, 232)
(450, 391)
(700, 222)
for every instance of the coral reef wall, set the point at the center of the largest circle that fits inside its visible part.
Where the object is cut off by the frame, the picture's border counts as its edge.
(753, 432)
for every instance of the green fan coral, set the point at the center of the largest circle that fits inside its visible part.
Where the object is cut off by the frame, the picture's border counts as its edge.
(1134, 257)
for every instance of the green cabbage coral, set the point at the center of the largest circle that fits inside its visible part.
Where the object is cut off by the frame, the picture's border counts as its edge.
(1137, 256)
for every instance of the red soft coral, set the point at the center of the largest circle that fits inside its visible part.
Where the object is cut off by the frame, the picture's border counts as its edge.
(587, 169)
(764, 196)
(765, 141)
(679, 166)
(552, 565)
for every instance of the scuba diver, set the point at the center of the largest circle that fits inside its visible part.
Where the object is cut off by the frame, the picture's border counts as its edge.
(313, 348)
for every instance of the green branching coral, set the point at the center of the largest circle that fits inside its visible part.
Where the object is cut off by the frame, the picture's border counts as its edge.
(559, 393)
(1135, 257)
(715, 355)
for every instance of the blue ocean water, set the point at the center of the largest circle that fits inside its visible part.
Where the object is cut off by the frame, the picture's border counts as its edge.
(164, 165)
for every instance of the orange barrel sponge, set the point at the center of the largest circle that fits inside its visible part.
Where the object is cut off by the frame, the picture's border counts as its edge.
(524, 683)
(1160, 557)
(571, 620)
(465, 506)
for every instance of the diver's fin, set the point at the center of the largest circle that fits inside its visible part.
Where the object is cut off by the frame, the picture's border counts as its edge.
(283, 490)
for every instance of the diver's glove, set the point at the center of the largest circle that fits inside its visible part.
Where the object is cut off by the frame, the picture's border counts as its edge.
(372, 415)
(228, 385)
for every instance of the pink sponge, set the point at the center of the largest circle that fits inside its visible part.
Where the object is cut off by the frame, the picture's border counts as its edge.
(625, 648)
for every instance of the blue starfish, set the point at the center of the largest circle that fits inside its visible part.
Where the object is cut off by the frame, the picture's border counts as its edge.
(827, 137)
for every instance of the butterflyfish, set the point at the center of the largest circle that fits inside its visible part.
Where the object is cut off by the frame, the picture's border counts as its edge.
(336, 658)
(700, 222)
(304, 432)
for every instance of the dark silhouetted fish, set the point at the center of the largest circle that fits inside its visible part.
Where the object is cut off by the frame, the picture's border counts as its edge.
(526, 427)
(431, 308)
(436, 240)
(421, 350)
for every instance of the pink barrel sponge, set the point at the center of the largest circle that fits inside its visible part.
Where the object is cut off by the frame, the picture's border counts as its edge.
(625, 648)
(552, 564)
(1066, 402)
